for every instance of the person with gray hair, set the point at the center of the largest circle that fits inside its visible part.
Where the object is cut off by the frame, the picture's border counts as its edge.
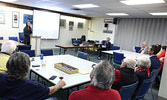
(15, 86)
(144, 48)
(102, 77)
(7, 49)
(125, 75)
(142, 71)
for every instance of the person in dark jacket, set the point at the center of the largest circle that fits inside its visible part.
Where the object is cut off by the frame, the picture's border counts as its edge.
(27, 32)
(106, 45)
(126, 74)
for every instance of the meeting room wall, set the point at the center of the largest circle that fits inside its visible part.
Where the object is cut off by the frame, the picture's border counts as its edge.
(6, 28)
(134, 31)
(96, 27)
(65, 35)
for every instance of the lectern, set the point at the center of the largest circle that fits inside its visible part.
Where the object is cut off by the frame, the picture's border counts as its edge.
(35, 42)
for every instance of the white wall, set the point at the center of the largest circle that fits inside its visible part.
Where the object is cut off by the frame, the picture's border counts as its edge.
(66, 35)
(6, 29)
(163, 87)
(96, 28)
(93, 29)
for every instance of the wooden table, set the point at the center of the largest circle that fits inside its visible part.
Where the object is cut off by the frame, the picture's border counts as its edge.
(69, 46)
(17, 43)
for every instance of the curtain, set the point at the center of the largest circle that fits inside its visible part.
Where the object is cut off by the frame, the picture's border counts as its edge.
(133, 32)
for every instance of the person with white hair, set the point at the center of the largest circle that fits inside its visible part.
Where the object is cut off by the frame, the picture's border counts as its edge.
(7, 49)
(144, 48)
(125, 75)
(106, 45)
(142, 71)
(102, 77)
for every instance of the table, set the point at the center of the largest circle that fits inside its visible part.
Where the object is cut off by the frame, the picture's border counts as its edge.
(17, 43)
(68, 46)
(71, 80)
(128, 54)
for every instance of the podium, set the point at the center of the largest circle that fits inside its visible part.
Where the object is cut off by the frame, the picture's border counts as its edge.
(35, 42)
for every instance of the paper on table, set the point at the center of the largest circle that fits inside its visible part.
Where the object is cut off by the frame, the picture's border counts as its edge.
(83, 72)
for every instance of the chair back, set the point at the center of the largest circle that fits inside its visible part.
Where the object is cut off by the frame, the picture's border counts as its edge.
(82, 55)
(118, 57)
(73, 39)
(31, 53)
(145, 87)
(103, 42)
(24, 47)
(76, 43)
(48, 52)
(115, 48)
(97, 41)
(21, 37)
(13, 38)
(1, 38)
(137, 49)
(127, 91)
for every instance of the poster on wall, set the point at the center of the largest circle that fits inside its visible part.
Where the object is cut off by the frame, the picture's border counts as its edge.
(2, 17)
(80, 25)
(63, 23)
(28, 18)
(71, 24)
(15, 19)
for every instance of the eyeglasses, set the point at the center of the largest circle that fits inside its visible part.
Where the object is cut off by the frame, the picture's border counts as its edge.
(93, 66)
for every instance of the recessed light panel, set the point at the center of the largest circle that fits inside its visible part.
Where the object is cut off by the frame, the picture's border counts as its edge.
(141, 2)
(85, 6)
(159, 14)
(117, 14)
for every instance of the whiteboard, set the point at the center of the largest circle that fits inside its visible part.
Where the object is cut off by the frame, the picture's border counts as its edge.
(46, 24)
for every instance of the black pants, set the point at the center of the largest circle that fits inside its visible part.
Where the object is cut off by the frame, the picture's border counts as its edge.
(100, 51)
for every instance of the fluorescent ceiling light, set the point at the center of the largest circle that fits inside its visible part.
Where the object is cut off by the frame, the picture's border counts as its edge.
(8, 0)
(85, 6)
(141, 2)
(159, 14)
(117, 14)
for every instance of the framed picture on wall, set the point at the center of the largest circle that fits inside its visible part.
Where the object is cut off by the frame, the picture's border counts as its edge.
(71, 23)
(28, 18)
(63, 23)
(15, 19)
(80, 25)
(2, 17)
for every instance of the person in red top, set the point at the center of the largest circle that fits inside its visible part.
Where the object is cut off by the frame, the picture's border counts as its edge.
(102, 77)
(163, 52)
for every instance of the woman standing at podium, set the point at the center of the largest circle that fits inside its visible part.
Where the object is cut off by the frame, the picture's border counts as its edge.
(27, 33)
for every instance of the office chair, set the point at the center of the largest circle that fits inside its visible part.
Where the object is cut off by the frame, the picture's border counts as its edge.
(48, 52)
(115, 47)
(82, 55)
(137, 49)
(24, 47)
(126, 92)
(21, 37)
(1, 38)
(13, 38)
(31, 53)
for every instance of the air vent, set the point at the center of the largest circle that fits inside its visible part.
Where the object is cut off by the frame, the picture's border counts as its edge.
(75, 9)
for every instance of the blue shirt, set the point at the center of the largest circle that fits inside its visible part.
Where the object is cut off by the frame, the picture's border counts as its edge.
(21, 89)
(155, 63)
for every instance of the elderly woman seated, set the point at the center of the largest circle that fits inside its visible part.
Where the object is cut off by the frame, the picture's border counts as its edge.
(15, 86)
(142, 71)
(126, 75)
(102, 77)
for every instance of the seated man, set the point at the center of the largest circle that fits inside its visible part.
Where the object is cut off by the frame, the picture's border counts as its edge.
(126, 75)
(144, 48)
(7, 49)
(105, 46)
(102, 78)
(15, 86)
(155, 62)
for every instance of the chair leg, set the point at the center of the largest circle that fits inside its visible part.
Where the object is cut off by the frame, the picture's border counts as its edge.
(152, 92)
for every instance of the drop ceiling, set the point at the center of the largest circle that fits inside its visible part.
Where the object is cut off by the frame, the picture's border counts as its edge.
(106, 6)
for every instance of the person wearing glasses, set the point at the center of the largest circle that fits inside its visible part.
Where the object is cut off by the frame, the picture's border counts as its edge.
(102, 77)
